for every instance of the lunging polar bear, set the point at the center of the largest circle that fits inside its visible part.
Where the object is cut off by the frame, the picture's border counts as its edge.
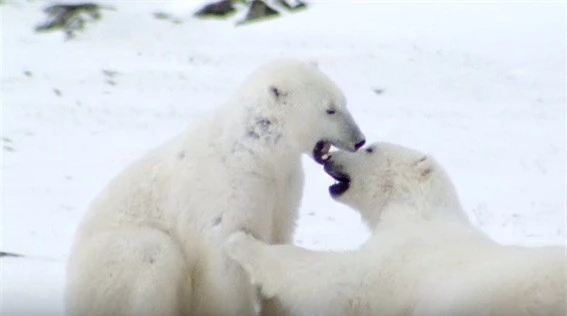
(424, 257)
(151, 243)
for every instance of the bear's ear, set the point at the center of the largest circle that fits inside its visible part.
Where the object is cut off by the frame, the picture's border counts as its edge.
(424, 167)
(276, 92)
(313, 63)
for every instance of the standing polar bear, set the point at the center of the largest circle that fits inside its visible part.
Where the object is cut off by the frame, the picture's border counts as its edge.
(151, 243)
(424, 257)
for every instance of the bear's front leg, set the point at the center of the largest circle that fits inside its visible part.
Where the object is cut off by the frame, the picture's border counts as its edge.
(300, 279)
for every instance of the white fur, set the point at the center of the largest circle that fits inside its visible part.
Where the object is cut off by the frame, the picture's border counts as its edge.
(151, 243)
(424, 257)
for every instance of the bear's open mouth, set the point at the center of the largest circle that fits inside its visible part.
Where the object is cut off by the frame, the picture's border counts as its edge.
(321, 151)
(342, 180)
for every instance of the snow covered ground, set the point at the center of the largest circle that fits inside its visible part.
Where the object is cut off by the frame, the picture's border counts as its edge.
(480, 85)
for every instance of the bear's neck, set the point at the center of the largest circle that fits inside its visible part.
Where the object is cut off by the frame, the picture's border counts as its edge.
(411, 212)
(255, 138)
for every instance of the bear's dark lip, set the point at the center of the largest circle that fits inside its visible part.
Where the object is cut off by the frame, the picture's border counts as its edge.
(343, 180)
(321, 151)
(338, 188)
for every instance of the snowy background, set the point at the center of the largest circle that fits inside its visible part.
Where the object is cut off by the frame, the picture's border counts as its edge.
(480, 85)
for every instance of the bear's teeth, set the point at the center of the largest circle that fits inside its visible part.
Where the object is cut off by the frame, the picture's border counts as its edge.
(325, 157)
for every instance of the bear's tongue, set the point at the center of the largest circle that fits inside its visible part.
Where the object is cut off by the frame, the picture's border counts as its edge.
(338, 188)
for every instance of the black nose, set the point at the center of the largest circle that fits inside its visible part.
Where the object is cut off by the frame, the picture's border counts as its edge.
(359, 144)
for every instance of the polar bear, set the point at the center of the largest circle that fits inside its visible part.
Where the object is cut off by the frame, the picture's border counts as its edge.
(423, 258)
(151, 243)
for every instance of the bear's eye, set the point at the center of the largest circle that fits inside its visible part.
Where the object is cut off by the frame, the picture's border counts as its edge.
(331, 111)
(369, 150)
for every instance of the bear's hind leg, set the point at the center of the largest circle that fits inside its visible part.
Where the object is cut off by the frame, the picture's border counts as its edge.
(127, 271)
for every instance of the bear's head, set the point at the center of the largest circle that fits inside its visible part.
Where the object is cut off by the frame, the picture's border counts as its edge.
(385, 181)
(300, 103)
